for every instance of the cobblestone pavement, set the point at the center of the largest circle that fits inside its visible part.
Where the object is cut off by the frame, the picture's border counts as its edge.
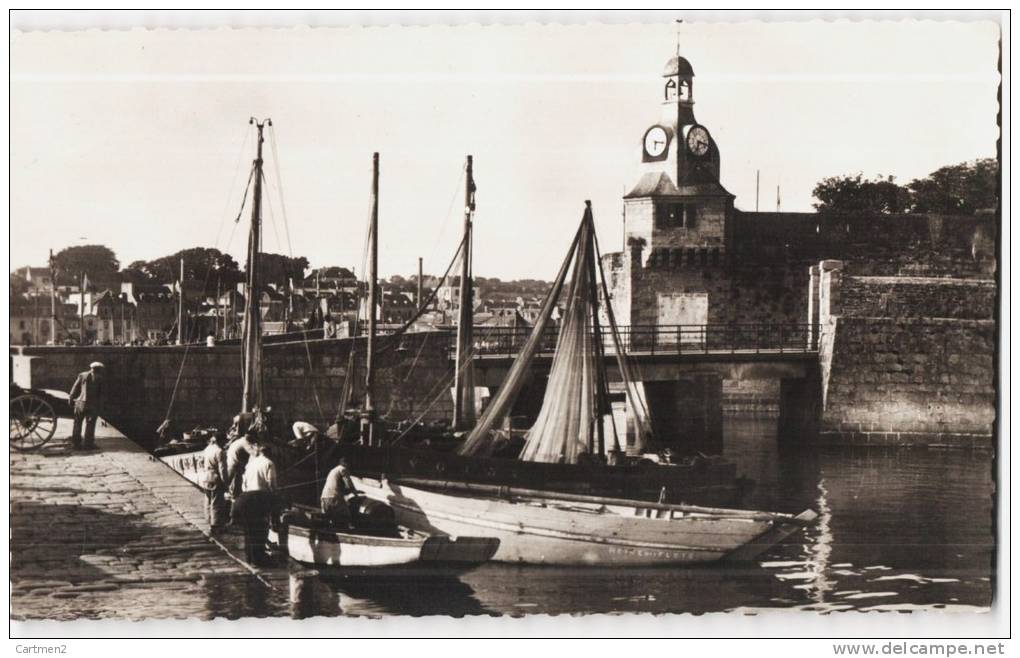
(116, 534)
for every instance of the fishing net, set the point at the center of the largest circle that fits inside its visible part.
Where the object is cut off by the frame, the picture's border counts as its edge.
(564, 427)
(570, 422)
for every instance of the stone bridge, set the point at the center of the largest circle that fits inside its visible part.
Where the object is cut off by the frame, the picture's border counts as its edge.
(197, 385)
(886, 360)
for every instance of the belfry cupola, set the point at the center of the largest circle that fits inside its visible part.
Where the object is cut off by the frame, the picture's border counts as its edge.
(678, 91)
(679, 202)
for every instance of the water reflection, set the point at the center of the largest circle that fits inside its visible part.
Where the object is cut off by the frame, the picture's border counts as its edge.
(415, 595)
(898, 529)
(233, 597)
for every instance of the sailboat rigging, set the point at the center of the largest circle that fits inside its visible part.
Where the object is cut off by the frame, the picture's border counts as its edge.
(251, 340)
(185, 456)
(573, 445)
(368, 414)
(576, 402)
(463, 373)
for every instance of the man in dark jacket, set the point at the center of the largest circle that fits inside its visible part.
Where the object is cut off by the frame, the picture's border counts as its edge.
(87, 398)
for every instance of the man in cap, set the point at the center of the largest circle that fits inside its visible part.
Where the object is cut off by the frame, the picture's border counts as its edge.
(254, 507)
(87, 398)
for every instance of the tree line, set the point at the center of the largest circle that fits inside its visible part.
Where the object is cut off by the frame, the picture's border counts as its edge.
(961, 189)
(213, 268)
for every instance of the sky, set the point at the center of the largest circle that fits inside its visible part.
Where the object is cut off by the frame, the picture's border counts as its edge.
(139, 139)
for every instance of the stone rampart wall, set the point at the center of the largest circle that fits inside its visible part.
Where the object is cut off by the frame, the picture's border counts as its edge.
(917, 297)
(907, 362)
(302, 380)
(763, 277)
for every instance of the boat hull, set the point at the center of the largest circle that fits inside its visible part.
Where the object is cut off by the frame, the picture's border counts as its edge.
(334, 549)
(569, 534)
(188, 465)
(325, 547)
(706, 482)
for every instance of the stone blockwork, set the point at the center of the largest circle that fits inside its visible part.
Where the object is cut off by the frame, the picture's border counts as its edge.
(302, 380)
(113, 534)
(907, 360)
(762, 274)
(750, 396)
(918, 297)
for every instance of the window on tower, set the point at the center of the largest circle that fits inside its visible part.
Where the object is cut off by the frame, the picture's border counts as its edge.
(674, 214)
(670, 91)
(685, 90)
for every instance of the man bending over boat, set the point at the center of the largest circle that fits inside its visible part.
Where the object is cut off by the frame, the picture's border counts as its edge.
(240, 452)
(337, 495)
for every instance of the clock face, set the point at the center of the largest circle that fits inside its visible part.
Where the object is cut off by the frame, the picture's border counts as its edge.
(656, 142)
(698, 140)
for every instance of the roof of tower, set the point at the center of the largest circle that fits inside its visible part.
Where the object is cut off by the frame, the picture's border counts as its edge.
(678, 65)
(654, 183)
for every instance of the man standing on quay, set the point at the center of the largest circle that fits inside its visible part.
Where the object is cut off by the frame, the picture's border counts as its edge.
(255, 506)
(214, 480)
(86, 396)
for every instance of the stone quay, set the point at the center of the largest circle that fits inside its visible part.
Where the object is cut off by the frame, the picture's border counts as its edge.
(113, 533)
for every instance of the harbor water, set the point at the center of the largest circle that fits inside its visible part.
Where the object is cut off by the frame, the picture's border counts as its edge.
(898, 529)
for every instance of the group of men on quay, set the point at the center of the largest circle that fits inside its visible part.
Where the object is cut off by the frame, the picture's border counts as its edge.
(239, 466)
(238, 473)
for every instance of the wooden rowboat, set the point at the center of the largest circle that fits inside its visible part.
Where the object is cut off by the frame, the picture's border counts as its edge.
(581, 530)
(312, 542)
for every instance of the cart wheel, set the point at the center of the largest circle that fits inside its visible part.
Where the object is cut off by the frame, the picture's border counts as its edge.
(33, 422)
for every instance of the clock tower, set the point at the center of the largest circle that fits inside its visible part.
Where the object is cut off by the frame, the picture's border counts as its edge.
(678, 210)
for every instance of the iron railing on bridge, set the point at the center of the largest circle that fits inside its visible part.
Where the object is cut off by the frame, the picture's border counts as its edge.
(663, 339)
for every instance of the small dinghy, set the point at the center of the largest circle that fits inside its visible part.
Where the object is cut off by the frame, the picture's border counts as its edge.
(376, 542)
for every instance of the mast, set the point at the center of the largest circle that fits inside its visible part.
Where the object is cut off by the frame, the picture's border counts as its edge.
(418, 298)
(217, 308)
(81, 312)
(180, 307)
(53, 303)
(252, 329)
(368, 416)
(463, 379)
(602, 404)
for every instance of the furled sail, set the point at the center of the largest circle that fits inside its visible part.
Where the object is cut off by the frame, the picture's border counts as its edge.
(566, 424)
(479, 441)
(570, 422)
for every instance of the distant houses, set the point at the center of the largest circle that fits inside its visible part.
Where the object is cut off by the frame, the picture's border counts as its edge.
(133, 313)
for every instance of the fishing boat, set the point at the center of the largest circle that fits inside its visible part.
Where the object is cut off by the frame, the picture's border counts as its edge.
(311, 540)
(184, 454)
(542, 525)
(537, 527)
(484, 449)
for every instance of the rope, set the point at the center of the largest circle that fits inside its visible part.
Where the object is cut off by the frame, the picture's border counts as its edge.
(432, 295)
(272, 215)
(421, 348)
(623, 359)
(279, 182)
(341, 402)
(449, 212)
(290, 253)
(205, 283)
(244, 198)
(445, 382)
(233, 181)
